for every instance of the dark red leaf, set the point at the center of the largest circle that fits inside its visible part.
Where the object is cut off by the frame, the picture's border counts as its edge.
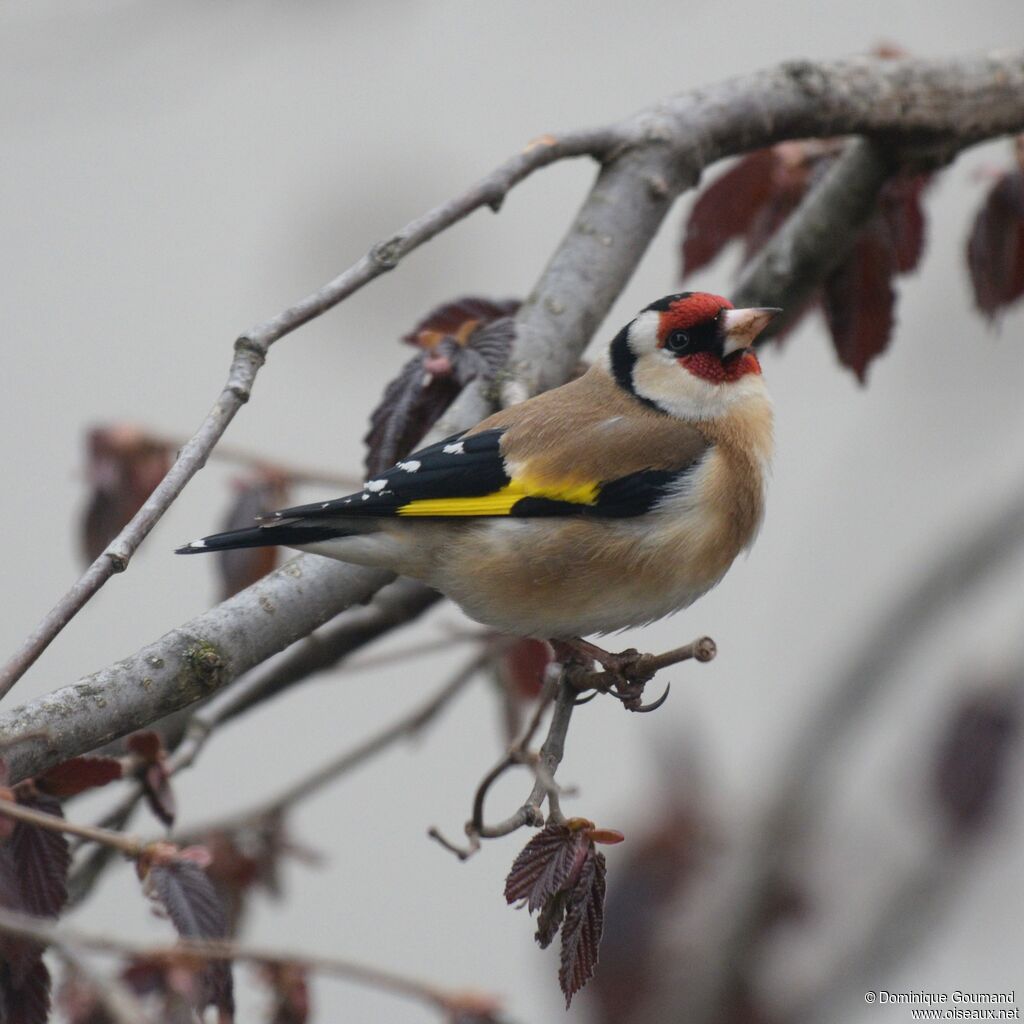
(900, 206)
(289, 992)
(450, 319)
(859, 300)
(147, 744)
(28, 1002)
(522, 667)
(974, 757)
(755, 199)
(156, 785)
(545, 865)
(461, 341)
(550, 918)
(41, 858)
(726, 209)
(124, 466)
(33, 880)
(995, 249)
(192, 904)
(77, 775)
(234, 871)
(581, 932)
(152, 773)
(258, 495)
(796, 167)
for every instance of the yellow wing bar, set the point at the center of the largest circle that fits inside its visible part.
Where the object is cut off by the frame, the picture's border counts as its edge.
(500, 502)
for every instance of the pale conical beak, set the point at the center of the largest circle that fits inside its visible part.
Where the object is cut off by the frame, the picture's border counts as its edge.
(741, 326)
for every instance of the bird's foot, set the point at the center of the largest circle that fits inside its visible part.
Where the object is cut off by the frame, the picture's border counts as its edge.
(624, 674)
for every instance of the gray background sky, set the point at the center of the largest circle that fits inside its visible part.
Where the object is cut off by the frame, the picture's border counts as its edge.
(172, 173)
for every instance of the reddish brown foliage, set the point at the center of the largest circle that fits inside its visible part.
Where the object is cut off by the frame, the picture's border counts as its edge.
(289, 992)
(77, 775)
(33, 880)
(124, 466)
(560, 873)
(754, 198)
(177, 881)
(256, 495)
(995, 249)
(151, 771)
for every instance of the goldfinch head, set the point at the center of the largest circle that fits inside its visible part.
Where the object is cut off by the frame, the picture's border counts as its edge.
(690, 354)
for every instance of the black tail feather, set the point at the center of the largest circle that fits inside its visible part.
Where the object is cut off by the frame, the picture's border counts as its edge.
(290, 534)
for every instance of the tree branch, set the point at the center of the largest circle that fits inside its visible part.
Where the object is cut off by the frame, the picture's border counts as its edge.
(393, 605)
(570, 681)
(649, 159)
(130, 846)
(816, 239)
(251, 350)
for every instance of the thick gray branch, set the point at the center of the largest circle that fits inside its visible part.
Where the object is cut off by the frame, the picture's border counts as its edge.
(816, 239)
(648, 158)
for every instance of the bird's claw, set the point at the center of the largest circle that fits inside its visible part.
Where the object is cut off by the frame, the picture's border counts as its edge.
(643, 709)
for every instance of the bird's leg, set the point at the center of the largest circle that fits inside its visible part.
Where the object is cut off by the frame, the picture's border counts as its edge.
(624, 675)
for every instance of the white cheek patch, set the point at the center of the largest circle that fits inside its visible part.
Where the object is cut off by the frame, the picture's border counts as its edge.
(682, 394)
(409, 467)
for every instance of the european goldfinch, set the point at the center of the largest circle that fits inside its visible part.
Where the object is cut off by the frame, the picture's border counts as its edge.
(610, 502)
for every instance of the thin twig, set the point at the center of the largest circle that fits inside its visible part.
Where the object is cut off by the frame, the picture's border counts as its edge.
(45, 932)
(546, 763)
(130, 846)
(566, 687)
(251, 350)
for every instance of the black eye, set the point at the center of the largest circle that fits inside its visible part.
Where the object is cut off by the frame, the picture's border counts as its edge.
(678, 341)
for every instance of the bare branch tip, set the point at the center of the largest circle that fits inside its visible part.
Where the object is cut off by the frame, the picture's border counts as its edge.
(705, 649)
(462, 852)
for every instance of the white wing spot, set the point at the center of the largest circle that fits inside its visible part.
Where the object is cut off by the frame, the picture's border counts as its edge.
(366, 497)
(410, 467)
(348, 501)
(198, 544)
(325, 504)
(454, 449)
(376, 485)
